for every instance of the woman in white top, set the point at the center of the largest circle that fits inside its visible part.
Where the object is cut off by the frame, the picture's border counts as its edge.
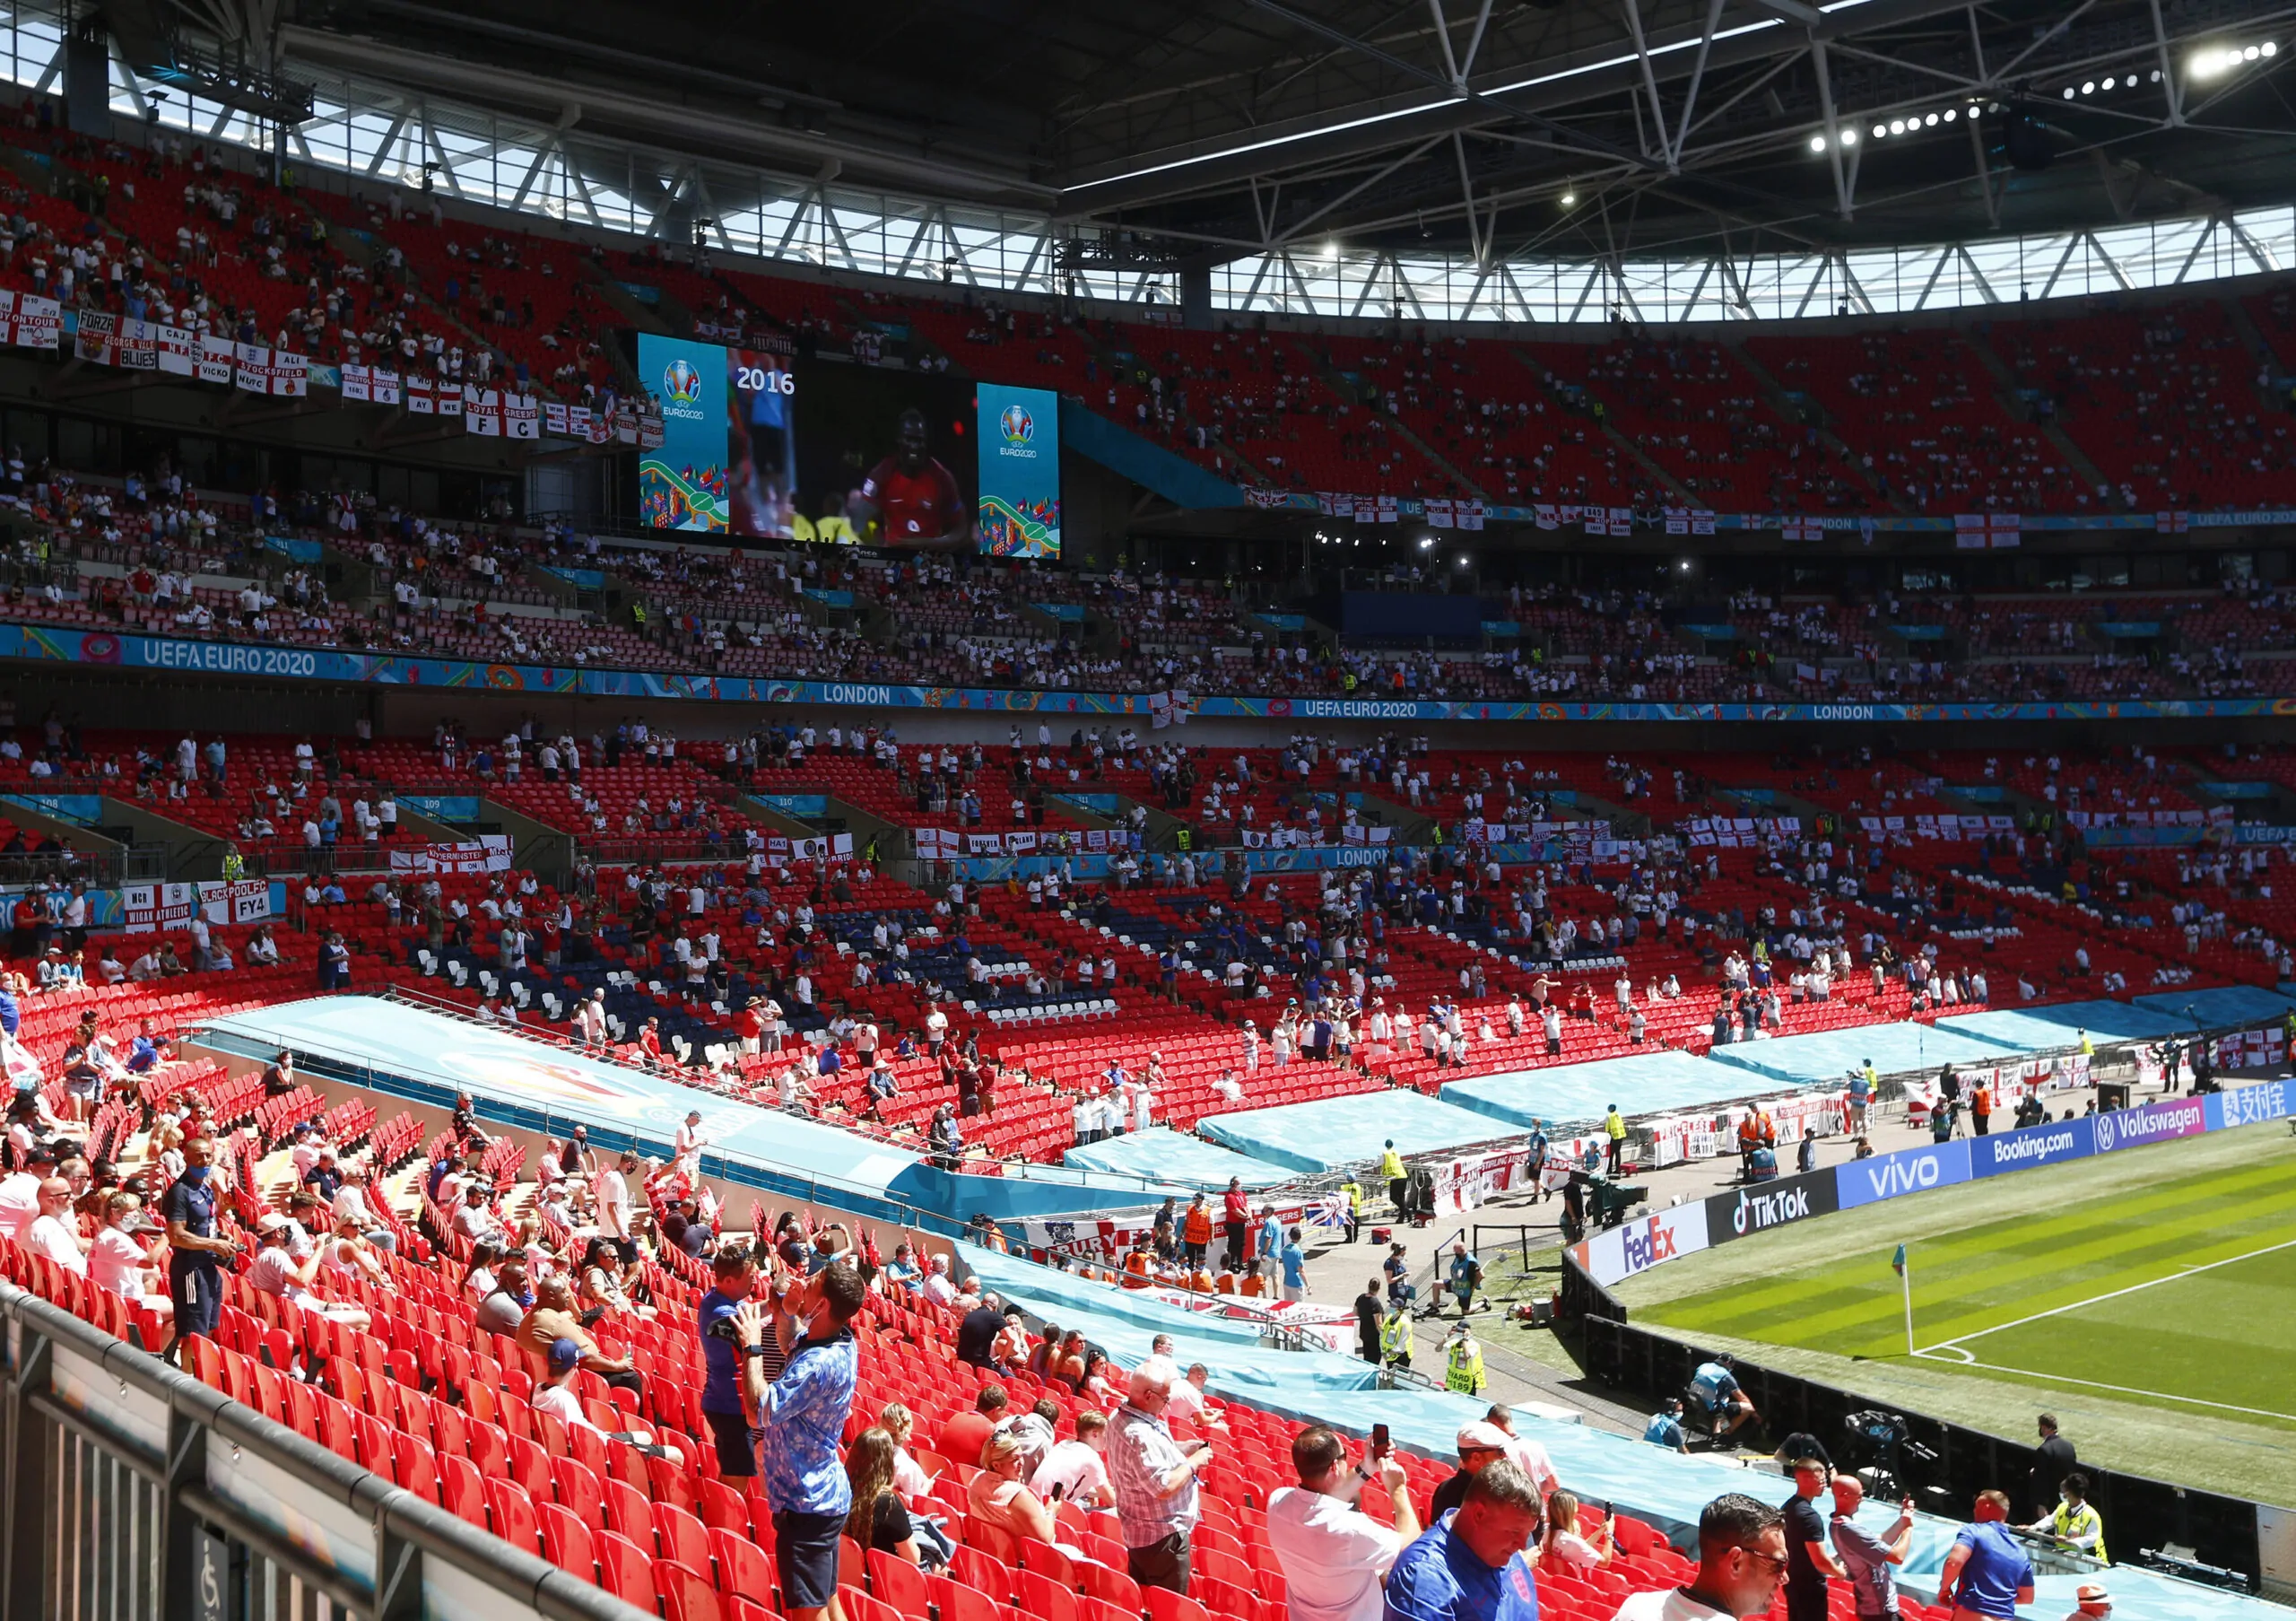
(122, 1260)
(349, 1255)
(1562, 1551)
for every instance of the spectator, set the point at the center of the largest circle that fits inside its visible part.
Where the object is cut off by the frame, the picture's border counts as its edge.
(1451, 1573)
(734, 1277)
(999, 1494)
(195, 1251)
(1867, 1557)
(505, 1306)
(1076, 1471)
(916, 1487)
(55, 1232)
(803, 1414)
(1369, 1311)
(879, 1520)
(1562, 1550)
(1154, 1478)
(976, 1335)
(555, 1396)
(1523, 1452)
(126, 1255)
(1741, 1561)
(2092, 1601)
(1481, 1445)
(552, 1318)
(963, 1435)
(1334, 1556)
(1808, 1561)
(1987, 1573)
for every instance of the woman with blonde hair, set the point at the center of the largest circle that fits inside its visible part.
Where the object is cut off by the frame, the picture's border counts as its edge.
(1000, 1496)
(1562, 1551)
(879, 1520)
(915, 1487)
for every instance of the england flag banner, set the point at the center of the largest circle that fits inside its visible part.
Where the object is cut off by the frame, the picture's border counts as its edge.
(482, 411)
(291, 374)
(29, 322)
(218, 358)
(521, 416)
(175, 350)
(356, 388)
(252, 375)
(420, 400)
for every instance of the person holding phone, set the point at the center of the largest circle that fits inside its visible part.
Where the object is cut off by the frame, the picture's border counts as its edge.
(1334, 1557)
(1867, 1557)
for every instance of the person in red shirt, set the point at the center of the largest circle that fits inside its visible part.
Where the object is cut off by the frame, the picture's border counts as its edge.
(650, 1043)
(916, 496)
(1236, 1211)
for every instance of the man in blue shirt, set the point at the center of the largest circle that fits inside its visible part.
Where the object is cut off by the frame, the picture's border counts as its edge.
(1665, 1427)
(1987, 1574)
(1452, 1573)
(803, 1416)
(1295, 1268)
(721, 1358)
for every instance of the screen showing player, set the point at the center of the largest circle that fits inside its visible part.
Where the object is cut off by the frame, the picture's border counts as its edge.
(761, 444)
(910, 500)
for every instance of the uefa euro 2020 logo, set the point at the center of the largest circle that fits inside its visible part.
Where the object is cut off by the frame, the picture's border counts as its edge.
(1018, 426)
(680, 382)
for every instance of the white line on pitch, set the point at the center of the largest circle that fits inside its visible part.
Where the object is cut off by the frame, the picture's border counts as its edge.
(1994, 1367)
(2111, 1295)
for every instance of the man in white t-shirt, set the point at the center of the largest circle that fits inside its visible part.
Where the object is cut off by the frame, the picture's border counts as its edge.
(55, 1232)
(613, 1197)
(1741, 1564)
(1334, 1557)
(20, 1195)
(1523, 1452)
(1074, 1471)
(691, 1141)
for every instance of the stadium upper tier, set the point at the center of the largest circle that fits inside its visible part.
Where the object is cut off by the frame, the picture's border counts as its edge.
(2166, 406)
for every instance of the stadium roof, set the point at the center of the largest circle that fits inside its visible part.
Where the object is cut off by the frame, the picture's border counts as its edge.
(1481, 128)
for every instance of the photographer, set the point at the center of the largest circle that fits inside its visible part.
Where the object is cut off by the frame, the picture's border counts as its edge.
(1334, 1557)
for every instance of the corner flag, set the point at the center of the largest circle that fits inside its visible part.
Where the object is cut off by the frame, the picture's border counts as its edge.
(1897, 1263)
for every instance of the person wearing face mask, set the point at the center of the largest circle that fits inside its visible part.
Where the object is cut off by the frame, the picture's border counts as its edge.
(196, 1252)
(1334, 1555)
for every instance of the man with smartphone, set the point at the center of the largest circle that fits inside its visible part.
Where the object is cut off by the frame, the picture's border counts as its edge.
(1869, 1556)
(1334, 1557)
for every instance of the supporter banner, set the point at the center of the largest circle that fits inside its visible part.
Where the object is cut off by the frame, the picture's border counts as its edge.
(1619, 1253)
(487, 853)
(1465, 1182)
(50, 643)
(97, 338)
(218, 359)
(1747, 1211)
(30, 322)
(1869, 1182)
(2031, 1148)
(371, 385)
(482, 411)
(157, 908)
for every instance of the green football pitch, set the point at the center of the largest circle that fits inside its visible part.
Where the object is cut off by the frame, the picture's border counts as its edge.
(2153, 1291)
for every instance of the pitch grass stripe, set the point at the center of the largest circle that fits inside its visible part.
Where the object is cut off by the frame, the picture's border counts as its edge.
(2031, 1247)
(1877, 1308)
(1976, 1242)
(2147, 1245)
(2178, 1275)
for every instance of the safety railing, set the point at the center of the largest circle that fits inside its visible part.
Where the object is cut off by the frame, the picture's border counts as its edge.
(132, 1490)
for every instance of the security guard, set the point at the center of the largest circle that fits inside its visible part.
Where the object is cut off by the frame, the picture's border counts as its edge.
(2074, 1523)
(1391, 1172)
(1353, 1192)
(235, 865)
(1395, 1336)
(1614, 1127)
(1463, 1363)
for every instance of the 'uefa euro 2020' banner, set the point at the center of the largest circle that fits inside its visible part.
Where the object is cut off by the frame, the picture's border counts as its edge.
(1019, 471)
(182, 654)
(1650, 1240)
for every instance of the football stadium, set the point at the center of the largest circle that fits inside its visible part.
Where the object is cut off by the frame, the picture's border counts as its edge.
(1302, 811)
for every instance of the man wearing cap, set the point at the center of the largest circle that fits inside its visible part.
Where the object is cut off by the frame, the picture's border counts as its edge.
(1481, 1443)
(2093, 1602)
(555, 1396)
(1463, 1361)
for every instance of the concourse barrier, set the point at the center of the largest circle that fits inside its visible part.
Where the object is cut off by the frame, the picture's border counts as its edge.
(132, 1491)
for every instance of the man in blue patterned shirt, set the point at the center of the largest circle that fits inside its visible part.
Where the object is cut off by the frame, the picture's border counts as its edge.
(801, 1414)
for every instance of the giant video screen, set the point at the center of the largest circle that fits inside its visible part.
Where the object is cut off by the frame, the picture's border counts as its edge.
(727, 463)
(913, 460)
